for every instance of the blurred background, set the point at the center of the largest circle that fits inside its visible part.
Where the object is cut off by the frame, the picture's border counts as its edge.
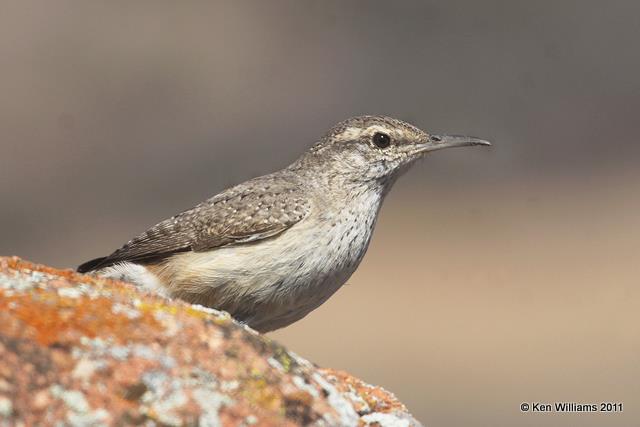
(494, 277)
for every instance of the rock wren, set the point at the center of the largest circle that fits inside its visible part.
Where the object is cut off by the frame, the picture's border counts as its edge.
(274, 248)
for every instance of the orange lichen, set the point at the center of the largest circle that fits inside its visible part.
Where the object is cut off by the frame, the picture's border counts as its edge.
(378, 399)
(54, 319)
(15, 263)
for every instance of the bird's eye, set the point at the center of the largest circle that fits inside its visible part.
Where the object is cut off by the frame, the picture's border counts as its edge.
(381, 140)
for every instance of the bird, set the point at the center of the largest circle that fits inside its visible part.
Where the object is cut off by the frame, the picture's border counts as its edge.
(272, 249)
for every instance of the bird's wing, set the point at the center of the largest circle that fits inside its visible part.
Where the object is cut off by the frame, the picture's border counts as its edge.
(252, 211)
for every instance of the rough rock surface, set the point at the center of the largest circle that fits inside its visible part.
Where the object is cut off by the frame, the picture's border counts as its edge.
(78, 350)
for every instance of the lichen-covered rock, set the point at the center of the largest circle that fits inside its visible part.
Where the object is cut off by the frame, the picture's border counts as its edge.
(83, 351)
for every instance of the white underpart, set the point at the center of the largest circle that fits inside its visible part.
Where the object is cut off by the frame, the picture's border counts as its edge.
(292, 274)
(136, 274)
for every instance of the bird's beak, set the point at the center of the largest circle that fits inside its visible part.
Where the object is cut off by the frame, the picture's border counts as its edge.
(438, 142)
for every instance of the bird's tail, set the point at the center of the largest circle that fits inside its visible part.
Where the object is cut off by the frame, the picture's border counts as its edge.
(91, 265)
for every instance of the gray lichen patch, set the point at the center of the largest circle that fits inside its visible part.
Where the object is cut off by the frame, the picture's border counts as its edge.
(6, 407)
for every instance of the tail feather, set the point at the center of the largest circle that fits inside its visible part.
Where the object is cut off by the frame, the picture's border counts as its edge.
(91, 265)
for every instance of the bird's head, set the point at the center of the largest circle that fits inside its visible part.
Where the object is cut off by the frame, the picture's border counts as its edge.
(378, 148)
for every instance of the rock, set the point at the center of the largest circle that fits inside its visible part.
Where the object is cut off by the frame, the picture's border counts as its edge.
(84, 351)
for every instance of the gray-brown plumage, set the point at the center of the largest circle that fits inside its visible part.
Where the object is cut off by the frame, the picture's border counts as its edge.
(273, 248)
(254, 210)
